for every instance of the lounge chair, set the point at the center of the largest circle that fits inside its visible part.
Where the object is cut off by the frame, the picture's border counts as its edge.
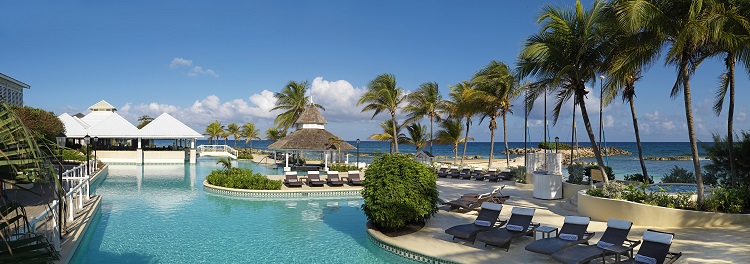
(313, 179)
(291, 179)
(573, 232)
(518, 225)
(489, 173)
(616, 234)
(477, 172)
(333, 179)
(486, 220)
(442, 172)
(473, 201)
(354, 178)
(453, 172)
(655, 249)
(505, 175)
(465, 174)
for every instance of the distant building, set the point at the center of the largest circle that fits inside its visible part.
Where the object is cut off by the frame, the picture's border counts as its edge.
(11, 90)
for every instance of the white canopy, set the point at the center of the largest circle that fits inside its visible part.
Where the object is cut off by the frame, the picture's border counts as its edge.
(167, 127)
(114, 126)
(74, 127)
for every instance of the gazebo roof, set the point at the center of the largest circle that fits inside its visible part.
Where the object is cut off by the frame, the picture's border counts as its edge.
(166, 126)
(114, 126)
(73, 128)
(311, 115)
(309, 139)
(102, 106)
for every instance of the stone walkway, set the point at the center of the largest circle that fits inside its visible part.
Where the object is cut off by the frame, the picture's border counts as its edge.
(698, 245)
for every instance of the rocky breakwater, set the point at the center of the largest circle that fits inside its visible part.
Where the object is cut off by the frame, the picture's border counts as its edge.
(580, 152)
(673, 158)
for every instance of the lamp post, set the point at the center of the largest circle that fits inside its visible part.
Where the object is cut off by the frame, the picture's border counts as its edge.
(357, 153)
(96, 141)
(60, 138)
(557, 141)
(87, 138)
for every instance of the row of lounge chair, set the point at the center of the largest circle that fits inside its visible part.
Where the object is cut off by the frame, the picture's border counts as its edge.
(472, 201)
(313, 179)
(571, 245)
(467, 173)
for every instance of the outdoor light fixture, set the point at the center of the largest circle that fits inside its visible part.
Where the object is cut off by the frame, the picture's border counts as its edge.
(557, 141)
(96, 141)
(60, 138)
(87, 138)
(357, 153)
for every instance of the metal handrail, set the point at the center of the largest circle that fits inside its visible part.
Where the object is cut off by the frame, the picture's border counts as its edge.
(217, 148)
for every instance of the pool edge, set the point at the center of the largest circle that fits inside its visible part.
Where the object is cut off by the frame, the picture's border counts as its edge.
(372, 236)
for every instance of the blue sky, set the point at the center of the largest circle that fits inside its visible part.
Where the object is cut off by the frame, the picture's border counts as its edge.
(207, 60)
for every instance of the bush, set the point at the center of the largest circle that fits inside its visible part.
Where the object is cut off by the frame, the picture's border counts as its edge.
(575, 173)
(608, 169)
(71, 154)
(729, 200)
(616, 190)
(342, 167)
(718, 153)
(518, 172)
(639, 178)
(398, 192)
(240, 178)
(679, 175)
(43, 124)
(551, 146)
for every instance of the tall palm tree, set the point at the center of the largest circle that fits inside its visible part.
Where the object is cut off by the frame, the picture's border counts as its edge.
(425, 101)
(293, 101)
(144, 120)
(249, 132)
(383, 95)
(496, 87)
(336, 143)
(566, 54)
(233, 130)
(630, 54)
(274, 134)
(450, 134)
(731, 39)
(418, 135)
(214, 130)
(463, 105)
(388, 134)
(682, 27)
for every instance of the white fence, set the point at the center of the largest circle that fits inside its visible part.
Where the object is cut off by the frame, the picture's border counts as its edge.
(212, 150)
(76, 184)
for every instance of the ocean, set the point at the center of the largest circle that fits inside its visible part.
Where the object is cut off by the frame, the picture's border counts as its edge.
(621, 165)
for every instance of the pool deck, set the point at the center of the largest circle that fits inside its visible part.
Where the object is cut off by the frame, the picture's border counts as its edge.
(726, 244)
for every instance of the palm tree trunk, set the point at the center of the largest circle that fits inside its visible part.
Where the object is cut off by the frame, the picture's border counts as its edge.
(466, 140)
(731, 60)
(492, 142)
(630, 93)
(590, 132)
(433, 153)
(395, 132)
(691, 129)
(505, 138)
(251, 147)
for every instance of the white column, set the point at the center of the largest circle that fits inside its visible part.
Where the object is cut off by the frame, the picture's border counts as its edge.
(286, 156)
(325, 161)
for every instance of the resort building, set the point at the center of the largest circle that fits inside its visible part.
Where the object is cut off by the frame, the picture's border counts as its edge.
(117, 140)
(11, 90)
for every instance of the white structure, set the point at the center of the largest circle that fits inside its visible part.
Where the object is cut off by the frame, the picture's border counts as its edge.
(117, 140)
(11, 90)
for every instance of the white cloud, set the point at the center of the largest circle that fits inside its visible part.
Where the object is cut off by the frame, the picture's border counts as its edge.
(195, 71)
(179, 63)
(339, 98)
(741, 116)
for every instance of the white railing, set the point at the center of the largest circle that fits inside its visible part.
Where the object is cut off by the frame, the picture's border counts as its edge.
(202, 149)
(77, 184)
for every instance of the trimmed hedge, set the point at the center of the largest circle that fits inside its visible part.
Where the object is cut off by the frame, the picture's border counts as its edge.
(240, 178)
(399, 192)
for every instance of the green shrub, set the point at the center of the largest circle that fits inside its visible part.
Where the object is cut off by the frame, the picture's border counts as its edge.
(518, 172)
(399, 191)
(240, 178)
(42, 123)
(679, 175)
(342, 167)
(551, 146)
(718, 153)
(639, 178)
(72, 154)
(608, 169)
(729, 200)
(245, 156)
(575, 173)
(616, 190)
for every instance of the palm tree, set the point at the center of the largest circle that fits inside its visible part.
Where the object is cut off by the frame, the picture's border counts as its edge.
(565, 55)
(682, 26)
(274, 134)
(425, 101)
(451, 135)
(233, 130)
(496, 87)
(214, 130)
(418, 135)
(249, 132)
(144, 120)
(463, 105)
(336, 143)
(731, 38)
(388, 134)
(383, 94)
(293, 101)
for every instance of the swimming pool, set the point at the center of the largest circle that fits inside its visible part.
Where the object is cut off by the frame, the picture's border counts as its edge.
(161, 214)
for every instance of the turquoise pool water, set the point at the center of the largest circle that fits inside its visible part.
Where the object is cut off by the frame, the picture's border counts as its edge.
(161, 214)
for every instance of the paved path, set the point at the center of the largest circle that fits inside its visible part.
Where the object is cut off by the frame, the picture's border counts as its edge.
(699, 245)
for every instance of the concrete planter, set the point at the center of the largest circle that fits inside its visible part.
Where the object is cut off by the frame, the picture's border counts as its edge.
(570, 190)
(601, 209)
